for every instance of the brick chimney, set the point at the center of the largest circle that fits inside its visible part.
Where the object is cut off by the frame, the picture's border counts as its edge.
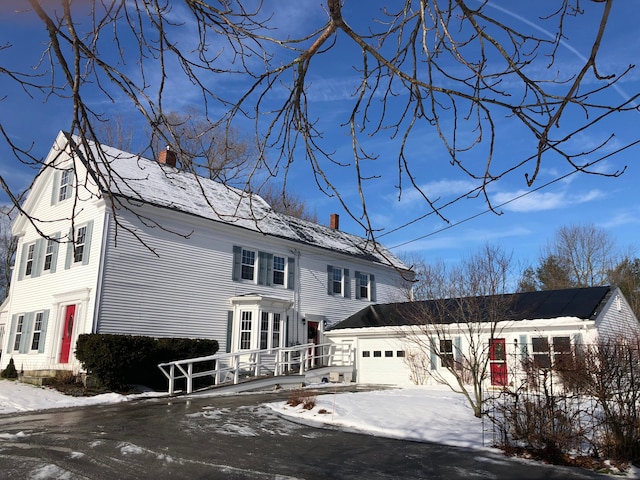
(168, 157)
(334, 221)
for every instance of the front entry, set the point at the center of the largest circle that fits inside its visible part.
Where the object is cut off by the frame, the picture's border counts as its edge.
(312, 337)
(498, 362)
(67, 333)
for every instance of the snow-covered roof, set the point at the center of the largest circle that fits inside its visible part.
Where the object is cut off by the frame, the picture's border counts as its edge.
(139, 179)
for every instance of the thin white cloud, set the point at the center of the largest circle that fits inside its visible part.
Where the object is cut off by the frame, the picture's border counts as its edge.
(621, 219)
(467, 240)
(441, 189)
(540, 201)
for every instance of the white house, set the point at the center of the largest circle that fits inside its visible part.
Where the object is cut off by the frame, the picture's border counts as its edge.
(409, 343)
(136, 246)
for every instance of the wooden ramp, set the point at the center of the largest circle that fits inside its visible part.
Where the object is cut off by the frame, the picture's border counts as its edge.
(258, 369)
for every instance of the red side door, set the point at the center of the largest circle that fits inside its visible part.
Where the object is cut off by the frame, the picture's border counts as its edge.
(312, 337)
(67, 333)
(498, 362)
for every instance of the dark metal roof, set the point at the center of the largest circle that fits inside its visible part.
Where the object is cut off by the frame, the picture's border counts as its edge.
(584, 303)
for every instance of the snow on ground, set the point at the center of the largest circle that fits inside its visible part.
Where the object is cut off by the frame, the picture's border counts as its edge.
(431, 414)
(22, 397)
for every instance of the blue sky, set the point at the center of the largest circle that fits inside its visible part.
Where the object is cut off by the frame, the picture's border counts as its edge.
(524, 225)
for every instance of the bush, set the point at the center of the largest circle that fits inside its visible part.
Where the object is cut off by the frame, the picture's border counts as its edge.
(10, 371)
(300, 397)
(120, 360)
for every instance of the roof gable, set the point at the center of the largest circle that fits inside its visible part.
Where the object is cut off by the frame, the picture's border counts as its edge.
(583, 303)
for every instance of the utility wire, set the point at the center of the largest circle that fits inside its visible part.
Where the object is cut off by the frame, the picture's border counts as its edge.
(472, 217)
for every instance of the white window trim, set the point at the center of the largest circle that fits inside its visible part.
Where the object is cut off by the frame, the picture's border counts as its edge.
(263, 268)
(38, 316)
(257, 304)
(17, 336)
(345, 279)
(285, 271)
(65, 186)
(30, 260)
(80, 240)
(254, 266)
(246, 316)
(73, 244)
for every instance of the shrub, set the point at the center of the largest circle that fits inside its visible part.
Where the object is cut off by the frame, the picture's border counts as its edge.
(120, 360)
(65, 377)
(301, 397)
(10, 371)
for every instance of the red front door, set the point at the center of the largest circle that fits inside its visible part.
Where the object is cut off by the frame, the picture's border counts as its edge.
(498, 362)
(67, 333)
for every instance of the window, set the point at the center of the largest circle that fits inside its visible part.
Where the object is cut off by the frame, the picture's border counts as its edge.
(275, 334)
(245, 331)
(64, 191)
(48, 254)
(78, 249)
(278, 270)
(336, 286)
(263, 268)
(37, 332)
(377, 353)
(400, 354)
(363, 285)
(264, 330)
(79, 244)
(28, 269)
(248, 264)
(388, 353)
(19, 332)
(541, 357)
(446, 353)
(562, 357)
(366, 353)
(338, 281)
(269, 330)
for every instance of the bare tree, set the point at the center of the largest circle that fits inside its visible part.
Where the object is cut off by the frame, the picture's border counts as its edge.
(457, 326)
(212, 152)
(289, 204)
(222, 154)
(626, 275)
(577, 256)
(453, 66)
(8, 245)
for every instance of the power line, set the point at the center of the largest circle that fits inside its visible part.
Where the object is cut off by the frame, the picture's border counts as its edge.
(472, 217)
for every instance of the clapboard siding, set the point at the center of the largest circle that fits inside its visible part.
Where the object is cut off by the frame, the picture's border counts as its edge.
(316, 300)
(181, 285)
(181, 288)
(167, 272)
(617, 319)
(53, 291)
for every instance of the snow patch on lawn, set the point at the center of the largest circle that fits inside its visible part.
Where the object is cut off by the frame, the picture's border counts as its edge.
(419, 414)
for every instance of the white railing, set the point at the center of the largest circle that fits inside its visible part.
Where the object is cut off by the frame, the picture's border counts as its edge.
(232, 367)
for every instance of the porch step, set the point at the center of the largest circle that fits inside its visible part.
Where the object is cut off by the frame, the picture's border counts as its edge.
(42, 377)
